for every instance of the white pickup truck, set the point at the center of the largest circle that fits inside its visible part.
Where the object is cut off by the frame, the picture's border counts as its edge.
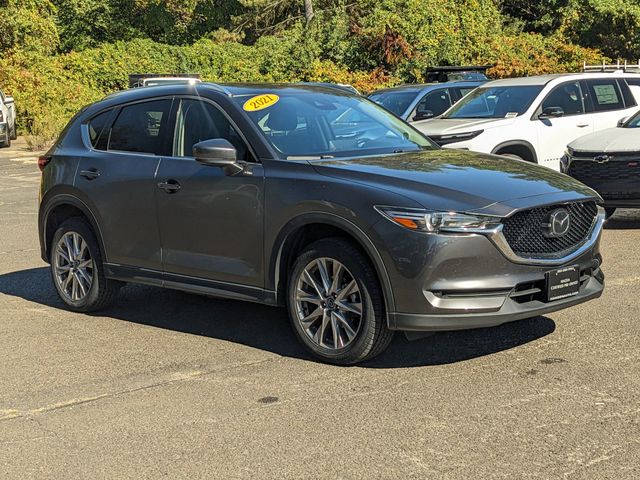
(7, 120)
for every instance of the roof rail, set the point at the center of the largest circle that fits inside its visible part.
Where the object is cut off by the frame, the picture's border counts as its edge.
(220, 88)
(626, 67)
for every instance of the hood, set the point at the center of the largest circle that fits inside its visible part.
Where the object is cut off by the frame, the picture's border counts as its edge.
(459, 180)
(440, 126)
(610, 140)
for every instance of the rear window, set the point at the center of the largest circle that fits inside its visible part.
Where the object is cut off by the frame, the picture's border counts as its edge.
(139, 128)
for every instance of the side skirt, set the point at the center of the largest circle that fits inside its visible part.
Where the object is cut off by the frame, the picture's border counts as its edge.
(186, 283)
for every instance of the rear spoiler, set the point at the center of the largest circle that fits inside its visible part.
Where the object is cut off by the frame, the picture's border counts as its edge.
(460, 72)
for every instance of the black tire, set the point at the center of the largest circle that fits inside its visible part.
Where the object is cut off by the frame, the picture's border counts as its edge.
(608, 212)
(13, 135)
(373, 335)
(102, 291)
(7, 141)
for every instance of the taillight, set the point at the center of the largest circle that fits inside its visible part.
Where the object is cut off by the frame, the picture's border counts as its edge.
(43, 161)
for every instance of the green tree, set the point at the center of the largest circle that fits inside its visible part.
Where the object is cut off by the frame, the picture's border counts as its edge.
(28, 25)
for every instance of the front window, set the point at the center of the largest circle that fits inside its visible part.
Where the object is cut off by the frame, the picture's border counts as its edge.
(301, 124)
(495, 102)
(396, 102)
(633, 122)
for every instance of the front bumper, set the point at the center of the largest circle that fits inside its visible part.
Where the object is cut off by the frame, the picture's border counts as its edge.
(510, 310)
(452, 282)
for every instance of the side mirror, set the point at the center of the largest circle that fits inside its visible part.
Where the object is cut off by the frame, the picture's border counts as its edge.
(8, 99)
(217, 152)
(551, 112)
(423, 115)
(622, 121)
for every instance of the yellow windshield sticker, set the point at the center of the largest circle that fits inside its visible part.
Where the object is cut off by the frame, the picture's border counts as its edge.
(260, 101)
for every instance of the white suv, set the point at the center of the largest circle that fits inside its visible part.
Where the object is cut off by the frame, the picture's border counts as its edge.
(534, 118)
(7, 120)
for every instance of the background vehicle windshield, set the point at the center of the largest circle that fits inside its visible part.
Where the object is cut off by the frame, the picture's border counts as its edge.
(324, 125)
(495, 102)
(633, 122)
(396, 102)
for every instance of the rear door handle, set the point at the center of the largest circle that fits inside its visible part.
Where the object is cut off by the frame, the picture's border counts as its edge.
(582, 125)
(90, 174)
(170, 186)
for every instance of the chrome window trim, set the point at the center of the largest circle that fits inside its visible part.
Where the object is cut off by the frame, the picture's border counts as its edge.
(499, 240)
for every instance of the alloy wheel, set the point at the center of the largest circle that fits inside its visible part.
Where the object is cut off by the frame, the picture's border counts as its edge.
(328, 303)
(73, 266)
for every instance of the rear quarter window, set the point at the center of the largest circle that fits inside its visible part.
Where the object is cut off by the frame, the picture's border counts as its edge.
(98, 130)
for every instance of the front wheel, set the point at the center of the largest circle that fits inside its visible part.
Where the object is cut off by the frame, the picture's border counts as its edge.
(335, 303)
(77, 270)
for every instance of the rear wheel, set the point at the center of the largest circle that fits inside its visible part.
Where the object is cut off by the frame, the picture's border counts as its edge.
(14, 135)
(77, 270)
(335, 303)
(7, 140)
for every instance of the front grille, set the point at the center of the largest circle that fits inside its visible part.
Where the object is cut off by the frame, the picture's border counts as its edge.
(524, 231)
(589, 171)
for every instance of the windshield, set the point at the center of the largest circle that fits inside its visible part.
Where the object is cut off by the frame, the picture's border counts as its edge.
(396, 102)
(633, 122)
(308, 125)
(495, 102)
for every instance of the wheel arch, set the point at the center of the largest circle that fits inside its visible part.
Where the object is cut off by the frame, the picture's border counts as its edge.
(521, 145)
(306, 228)
(57, 210)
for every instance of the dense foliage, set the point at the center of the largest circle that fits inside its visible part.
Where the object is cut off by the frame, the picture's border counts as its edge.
(58, 55)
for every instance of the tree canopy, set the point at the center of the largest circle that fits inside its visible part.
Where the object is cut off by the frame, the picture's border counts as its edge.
(56, 55)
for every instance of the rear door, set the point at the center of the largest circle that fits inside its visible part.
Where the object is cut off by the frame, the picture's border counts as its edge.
(211, 223)
(612, 100)
(117, 179)
(554, 134)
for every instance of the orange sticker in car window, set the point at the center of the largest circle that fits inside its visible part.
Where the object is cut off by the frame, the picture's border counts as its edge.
(260, 101)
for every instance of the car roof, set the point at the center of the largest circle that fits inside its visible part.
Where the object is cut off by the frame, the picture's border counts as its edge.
(423, 87)
(227, 89)
(545, 79)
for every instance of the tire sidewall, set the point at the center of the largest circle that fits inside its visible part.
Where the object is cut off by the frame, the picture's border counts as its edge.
(80, 227)
(361, 346)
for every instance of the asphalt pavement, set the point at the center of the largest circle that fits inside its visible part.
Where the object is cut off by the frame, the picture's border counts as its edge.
(171, 385)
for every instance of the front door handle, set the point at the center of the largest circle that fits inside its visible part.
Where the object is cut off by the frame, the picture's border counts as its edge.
(170, 186)
(90, 174)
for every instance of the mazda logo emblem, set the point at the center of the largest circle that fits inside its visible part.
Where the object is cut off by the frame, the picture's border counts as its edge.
(602, 158)
(558, 223)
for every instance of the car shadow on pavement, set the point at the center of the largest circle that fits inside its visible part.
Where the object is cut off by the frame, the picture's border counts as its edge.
(268, 328)
(624, 219)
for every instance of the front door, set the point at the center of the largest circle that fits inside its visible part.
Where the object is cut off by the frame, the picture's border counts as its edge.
(210, 222)
(554, 134)
(117, 180)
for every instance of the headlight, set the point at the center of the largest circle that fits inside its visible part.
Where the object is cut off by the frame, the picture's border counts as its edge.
(455, 137)
(434, 222)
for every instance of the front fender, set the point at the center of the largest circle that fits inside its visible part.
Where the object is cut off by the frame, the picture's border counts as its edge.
(358, 234)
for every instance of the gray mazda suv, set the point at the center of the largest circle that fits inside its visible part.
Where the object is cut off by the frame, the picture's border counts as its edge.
(314, 199)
